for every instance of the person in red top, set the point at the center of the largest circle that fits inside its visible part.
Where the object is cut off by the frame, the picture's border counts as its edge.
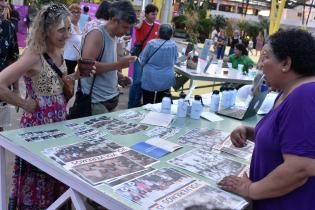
(143, 35)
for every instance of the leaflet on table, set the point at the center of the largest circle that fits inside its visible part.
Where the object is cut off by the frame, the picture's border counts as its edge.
(199, 193)
(214, 166)
(34, 136)
(157, 108)
(156, 147)
(162, 132)
(81, 150)
(211, 116)
(168, 188)
(145, 190)
(158, 119)
(86, 132)
(88, 154)
(104, 169)
(268, 103)
(127, 178)
(115, 126)
(125, 151)
(110, 167)
(132, 115)
(241, 152)
(203, 138)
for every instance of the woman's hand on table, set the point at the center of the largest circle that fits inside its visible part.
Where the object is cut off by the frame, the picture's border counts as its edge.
(235, 184)
(239, 136)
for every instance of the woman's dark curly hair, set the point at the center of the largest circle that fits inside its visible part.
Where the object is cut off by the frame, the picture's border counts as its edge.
(297, 44)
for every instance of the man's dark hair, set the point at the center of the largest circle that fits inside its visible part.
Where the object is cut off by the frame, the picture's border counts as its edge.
(242, 48)
(102, 11)
(86, 9)
(124, 11)
(150, 8)
(297, 44)
(165, 31)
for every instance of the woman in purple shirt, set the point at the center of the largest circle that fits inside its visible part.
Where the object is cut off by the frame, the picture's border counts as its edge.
(282, 173)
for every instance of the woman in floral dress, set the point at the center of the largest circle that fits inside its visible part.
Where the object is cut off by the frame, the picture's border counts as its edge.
(44, 103)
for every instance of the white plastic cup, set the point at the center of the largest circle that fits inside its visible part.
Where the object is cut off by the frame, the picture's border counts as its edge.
(229, 65)
(220, 63)
(240, 67)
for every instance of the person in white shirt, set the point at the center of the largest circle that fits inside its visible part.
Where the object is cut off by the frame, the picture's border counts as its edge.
(84, 18)
(71, 54)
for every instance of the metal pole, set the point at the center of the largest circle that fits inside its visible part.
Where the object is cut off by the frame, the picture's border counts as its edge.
(309, 12)
(272, 16)
(279, 14)
(218, 5)
(143, 5)
(166, 11)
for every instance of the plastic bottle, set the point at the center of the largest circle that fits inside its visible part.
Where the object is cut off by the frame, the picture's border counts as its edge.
(224, 98)
(230, 96)
(196, 108)
(215, 100)
(166, 104)
(182, 106)
(234, 95)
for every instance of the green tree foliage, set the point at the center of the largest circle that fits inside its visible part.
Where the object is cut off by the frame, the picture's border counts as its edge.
(219, 21)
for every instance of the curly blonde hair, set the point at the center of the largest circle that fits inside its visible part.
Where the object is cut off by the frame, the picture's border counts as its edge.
(49, 17)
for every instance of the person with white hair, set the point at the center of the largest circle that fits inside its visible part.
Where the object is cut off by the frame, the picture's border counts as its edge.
(157, 60)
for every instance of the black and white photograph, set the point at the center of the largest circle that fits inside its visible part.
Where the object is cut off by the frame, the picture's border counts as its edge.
(82, 150)
(148, 189)
(101, 171)
(162, 132)
(139, 158)
(35, 136)
(130, 177)
(240, 152)
(203, 138)
(199, 193)
(132, 115)
(211, 165)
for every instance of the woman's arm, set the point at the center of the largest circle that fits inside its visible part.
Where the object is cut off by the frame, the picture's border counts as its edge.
(92, 48)
(12, 74)
(290, 175)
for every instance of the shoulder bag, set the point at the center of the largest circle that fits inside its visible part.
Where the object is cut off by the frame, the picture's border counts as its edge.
(82, 104)
(147, 61)
(137, 48)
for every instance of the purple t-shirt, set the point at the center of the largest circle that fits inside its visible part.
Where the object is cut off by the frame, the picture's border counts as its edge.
(287, 129)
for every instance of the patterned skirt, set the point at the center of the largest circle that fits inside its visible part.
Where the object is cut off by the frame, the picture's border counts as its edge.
(33, 189)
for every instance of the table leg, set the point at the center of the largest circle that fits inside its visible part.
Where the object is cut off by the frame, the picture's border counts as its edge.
(3, 198)
(191, 82)
(77, 201)
(69, 194)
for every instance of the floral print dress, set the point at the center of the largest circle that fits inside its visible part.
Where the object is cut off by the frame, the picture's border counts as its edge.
(32, 188)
